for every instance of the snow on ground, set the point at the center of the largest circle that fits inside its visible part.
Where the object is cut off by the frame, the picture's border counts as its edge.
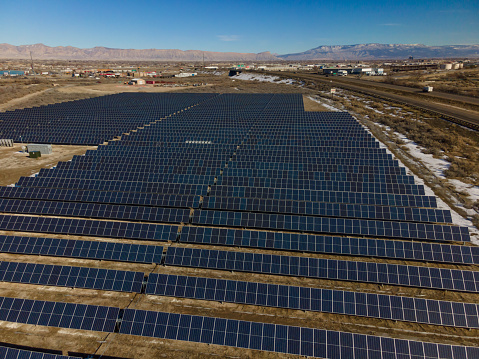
(435, 165)
(438, 166)
(375, 110)
(324, 104)
(261, 78)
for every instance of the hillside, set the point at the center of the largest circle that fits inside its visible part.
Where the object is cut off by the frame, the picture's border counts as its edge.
(384, 51)
(44, 52)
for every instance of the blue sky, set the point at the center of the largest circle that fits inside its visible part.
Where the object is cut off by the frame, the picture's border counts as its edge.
(240, 26)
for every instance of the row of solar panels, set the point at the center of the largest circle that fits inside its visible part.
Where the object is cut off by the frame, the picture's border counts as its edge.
(78, 203)
(367, 272)
(234, 168)
(329, 225)
(414, 251)
(373, 228)
(158, 172)
(227, 332)
(362, 173)
(381, 199)
(336, 186)
(226, 136)
(14, 353)
(427, 311)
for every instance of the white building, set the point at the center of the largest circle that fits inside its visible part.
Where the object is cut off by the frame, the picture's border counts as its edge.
(137, 82)
(186, 74)
(362, 70)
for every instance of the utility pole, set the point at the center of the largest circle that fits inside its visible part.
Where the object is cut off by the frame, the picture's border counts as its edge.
(203, 60)
(33, 70)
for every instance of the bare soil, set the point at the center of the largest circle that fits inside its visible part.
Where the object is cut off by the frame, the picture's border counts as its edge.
(14, 163)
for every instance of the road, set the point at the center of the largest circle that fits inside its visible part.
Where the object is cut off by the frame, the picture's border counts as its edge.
(415, 91)
(455, 114)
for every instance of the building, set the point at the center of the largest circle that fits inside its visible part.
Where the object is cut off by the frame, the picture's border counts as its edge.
(12, 73)
(362, 70)
(137, 82)
(186, 74)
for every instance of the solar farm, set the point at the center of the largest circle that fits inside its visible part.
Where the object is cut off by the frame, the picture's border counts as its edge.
(229, 225)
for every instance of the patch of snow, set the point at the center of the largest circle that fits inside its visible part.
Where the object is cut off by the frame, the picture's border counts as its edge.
(262, 78)
(372, 108)
(438, 166)
(322, 103)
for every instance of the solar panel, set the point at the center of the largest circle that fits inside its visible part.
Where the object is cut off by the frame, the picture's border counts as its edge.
(84, 227)
(328, 209)
(315, 299)
(14, 353)
(378, 199)
(57, 314)
(368, 272)
(113, 186)
(123, 252)
(74, 277)
(92, 210)
(369, 247)
(280, 338)
(107, 197)
(372, 228)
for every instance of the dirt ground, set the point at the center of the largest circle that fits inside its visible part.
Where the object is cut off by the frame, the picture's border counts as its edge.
(14, 164)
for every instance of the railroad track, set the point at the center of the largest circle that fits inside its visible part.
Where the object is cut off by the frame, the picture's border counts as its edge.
(463, 117)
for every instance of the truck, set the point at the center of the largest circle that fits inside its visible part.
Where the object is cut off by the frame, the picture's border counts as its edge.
(427, 89)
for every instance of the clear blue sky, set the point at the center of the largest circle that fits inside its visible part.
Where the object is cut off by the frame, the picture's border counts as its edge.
(240, 26)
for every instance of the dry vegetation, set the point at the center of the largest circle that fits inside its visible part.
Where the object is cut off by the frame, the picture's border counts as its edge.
(460, 82)
(15, 88)
(444, 140)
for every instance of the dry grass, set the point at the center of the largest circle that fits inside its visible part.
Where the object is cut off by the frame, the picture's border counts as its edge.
(459, 82)
(12, 89)
(444, 140)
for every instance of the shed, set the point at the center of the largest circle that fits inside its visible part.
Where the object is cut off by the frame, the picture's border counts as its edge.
(138, 81)
(42, 148)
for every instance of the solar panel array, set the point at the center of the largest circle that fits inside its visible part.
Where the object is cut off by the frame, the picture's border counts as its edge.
(234, 170)
(243, 334)
(74, 277)
(58, 247)
(282, 338)
(368, 247)
(84, 227)
(14, 353)
(367, 272)
(58, 314)
(91, 121)
(314, 299)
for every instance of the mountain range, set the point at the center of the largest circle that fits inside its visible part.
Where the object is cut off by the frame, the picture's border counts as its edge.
(384, 51)
(339, 52)
(43, 52)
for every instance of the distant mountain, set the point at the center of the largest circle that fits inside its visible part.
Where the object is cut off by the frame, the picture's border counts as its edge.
(384, 51)
(43, 52)
(339, 52)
